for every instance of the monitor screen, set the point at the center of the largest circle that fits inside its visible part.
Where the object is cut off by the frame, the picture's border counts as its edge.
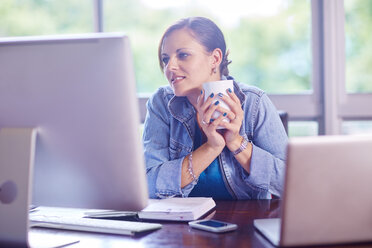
(79, 92)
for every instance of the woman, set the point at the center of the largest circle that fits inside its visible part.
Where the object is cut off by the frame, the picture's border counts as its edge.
(185, 154)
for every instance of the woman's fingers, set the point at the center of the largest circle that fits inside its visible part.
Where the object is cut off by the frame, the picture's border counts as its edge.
(200, 100)
(216, 122)
(211, 105)
(226, 112)
(207, 102)
(231, 100)
(233, 96)
(207, 108)
(235, 114)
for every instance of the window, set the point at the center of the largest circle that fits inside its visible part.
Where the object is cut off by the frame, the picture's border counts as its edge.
(269, 41)
(302, 128)
(312, 57)
(358, 19)
(40, 17)
(356, 127)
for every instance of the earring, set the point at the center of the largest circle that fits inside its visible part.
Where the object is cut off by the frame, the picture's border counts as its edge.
(214, 70)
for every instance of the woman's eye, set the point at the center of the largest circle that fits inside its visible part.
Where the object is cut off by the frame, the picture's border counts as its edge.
(165, 60)
(183, 55)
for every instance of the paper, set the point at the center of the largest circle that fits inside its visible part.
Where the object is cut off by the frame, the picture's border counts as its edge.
(43, 240)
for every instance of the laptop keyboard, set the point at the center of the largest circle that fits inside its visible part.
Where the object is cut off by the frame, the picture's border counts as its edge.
(92, 225)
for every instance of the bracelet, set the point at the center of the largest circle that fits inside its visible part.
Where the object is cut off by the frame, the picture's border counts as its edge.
(243, 145)
(189, 168)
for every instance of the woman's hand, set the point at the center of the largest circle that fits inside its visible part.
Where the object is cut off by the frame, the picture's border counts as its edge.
(235, 114)
(209, 126)
(229, 136)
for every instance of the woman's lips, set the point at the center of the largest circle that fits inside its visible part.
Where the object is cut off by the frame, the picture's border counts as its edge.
(177, 79)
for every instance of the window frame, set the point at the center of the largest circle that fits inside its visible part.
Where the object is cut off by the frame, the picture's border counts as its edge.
(328, 104)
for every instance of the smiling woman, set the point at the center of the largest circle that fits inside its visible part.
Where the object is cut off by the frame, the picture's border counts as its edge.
(187, 151)
(182, 57)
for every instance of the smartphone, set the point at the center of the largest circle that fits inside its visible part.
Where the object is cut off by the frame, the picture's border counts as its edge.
(213, 225)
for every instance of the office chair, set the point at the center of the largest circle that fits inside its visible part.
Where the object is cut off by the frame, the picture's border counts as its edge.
(284, 118)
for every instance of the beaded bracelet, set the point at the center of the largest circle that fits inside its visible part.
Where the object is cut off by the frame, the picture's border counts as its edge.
(191, 171)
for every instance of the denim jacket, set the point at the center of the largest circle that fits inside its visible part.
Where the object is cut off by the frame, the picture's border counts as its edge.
(168, 137)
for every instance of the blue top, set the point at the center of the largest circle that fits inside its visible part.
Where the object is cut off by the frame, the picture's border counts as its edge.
(169, 133)
(210, 182)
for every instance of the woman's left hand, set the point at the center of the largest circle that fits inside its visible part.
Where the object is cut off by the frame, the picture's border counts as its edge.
(236, 115)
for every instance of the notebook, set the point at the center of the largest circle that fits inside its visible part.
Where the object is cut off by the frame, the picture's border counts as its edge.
(327, 194)
(177, 209)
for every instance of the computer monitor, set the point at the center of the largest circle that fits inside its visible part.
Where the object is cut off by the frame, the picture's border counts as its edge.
(79, 92)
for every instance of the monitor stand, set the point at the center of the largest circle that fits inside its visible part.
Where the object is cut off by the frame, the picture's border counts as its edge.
(17, 149)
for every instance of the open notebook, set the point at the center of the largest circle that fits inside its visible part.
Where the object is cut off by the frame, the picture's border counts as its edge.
(174, 209)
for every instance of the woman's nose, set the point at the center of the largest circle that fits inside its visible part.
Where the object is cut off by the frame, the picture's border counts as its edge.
(172, 63)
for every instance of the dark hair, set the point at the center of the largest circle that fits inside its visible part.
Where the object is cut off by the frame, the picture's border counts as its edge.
(206, 32)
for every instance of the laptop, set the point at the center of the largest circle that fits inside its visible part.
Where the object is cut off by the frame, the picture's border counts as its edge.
(327, 193)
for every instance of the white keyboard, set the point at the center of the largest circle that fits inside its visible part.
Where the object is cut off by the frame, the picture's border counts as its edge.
(92, 225)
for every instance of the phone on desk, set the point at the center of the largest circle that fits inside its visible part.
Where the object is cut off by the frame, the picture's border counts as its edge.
(213, 225)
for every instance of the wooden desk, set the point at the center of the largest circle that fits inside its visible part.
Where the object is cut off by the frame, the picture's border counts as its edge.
(179, 234)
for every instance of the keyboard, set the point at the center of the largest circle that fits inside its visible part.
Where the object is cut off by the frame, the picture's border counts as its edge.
(92, 225)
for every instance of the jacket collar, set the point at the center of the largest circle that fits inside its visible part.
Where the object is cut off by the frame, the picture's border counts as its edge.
(237, 90)
(181, 109)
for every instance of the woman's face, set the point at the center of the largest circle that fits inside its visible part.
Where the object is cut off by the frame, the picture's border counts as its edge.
(187, 64)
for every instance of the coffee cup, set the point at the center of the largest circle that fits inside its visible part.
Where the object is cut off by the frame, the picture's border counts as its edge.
(217, 87)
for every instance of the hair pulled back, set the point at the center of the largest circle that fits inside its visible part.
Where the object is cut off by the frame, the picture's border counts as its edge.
(206, 32)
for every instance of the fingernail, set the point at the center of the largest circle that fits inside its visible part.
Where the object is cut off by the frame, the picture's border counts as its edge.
(220, 94)
(212, 95)
(211, 120)
(224, 114)
(229, 90)
(216, 103)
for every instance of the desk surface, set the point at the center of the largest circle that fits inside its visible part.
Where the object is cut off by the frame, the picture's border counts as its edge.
(179, 234)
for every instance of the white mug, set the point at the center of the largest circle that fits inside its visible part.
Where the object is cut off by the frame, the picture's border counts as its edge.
(217, 87)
